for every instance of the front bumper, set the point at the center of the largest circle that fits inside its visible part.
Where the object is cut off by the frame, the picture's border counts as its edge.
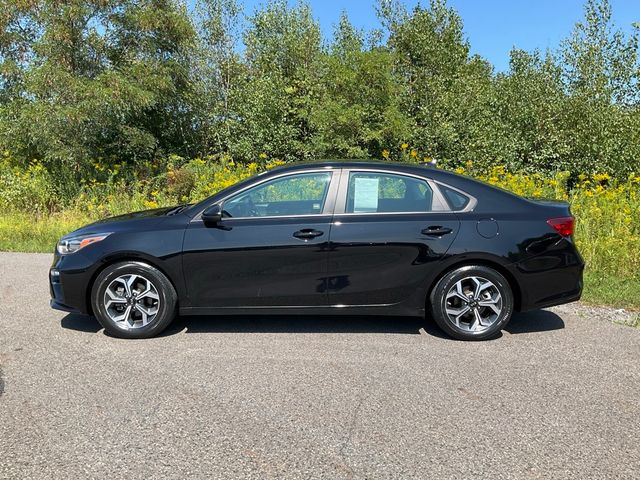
(68, 282)
(57, 293)
(56, 305)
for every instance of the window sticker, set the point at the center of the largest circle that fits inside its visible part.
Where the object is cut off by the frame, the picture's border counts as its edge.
(365, 198)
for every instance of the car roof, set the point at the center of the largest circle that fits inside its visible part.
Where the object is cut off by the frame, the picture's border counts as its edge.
(426, 169)
(382, 164)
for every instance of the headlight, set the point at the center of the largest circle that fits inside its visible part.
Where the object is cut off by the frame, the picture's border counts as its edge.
(73, 244)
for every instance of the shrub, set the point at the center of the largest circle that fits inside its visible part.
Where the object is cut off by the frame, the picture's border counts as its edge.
(30, 189)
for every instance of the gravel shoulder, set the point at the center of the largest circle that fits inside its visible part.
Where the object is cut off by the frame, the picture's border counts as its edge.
(556, 396)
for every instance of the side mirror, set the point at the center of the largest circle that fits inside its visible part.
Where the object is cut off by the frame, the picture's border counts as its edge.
(212, 215)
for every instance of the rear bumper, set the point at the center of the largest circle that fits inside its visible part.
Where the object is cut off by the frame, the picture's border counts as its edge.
(546, 281)
(560, 300)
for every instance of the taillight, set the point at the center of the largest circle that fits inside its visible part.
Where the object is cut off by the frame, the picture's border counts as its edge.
(563, 225)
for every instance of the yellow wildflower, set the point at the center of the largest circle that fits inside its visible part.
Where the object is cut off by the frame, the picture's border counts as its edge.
(274, 163)
(385, 153)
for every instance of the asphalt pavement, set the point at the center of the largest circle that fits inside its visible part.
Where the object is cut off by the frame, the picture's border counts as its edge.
(556, 396)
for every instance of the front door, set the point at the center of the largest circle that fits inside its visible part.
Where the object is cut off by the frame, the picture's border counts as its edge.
(269, 250)
(389, 230)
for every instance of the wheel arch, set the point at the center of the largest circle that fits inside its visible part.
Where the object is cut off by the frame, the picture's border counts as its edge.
(484, 262)
(126, 257)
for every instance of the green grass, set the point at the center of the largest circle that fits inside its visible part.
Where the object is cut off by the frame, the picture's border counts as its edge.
(20, 232)
(617, 291)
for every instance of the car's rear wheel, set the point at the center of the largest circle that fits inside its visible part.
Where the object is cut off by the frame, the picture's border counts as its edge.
(133, 300)
(472, 302)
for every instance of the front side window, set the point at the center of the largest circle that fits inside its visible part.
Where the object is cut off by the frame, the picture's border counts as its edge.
(301, 194)
(371, 192)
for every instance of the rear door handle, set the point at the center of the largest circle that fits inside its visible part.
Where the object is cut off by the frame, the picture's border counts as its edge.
(436, 231)
(307, 233)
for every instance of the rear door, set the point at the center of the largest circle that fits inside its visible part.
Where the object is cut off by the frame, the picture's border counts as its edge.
(389, 230)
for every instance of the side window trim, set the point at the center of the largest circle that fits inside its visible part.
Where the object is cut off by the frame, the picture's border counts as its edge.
(329, 204)
(439, 205)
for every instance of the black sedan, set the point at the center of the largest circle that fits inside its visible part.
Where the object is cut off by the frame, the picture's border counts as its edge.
(341, 238)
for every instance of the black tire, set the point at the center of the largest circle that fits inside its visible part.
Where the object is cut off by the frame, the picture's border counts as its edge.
(166, 308)
(438, 303)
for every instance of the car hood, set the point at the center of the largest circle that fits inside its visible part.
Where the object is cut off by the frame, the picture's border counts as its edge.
(156, 212)
(127, 222)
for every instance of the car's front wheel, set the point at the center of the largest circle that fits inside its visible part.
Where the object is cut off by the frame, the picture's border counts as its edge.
(133, 300)
(472, 302)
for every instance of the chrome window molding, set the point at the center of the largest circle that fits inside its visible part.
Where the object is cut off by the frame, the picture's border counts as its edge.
(327, 209)
(336, 199)
(439, 202)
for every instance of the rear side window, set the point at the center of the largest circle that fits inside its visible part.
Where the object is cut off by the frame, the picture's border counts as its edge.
(456, 200)
(372, 192)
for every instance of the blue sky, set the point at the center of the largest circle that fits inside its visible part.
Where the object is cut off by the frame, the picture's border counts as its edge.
(493, 27)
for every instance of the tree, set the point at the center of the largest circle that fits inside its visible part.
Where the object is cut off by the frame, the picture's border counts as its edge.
(600, 69)
(219, 74)
(98, 80)
(445, 90)
(283, 52)
(358, 112)
(138, 80)
(529, 107)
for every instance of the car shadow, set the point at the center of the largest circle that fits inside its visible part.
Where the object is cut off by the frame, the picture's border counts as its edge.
(296, 324)
(529, 322)
(534, 321)
(80, 323)
(275, 324)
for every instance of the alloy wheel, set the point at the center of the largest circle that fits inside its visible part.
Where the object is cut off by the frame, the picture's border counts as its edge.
(473, 304)
(131, 301)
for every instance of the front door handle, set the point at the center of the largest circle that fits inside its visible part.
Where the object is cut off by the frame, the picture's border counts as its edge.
(307, 233)
(436, 231)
